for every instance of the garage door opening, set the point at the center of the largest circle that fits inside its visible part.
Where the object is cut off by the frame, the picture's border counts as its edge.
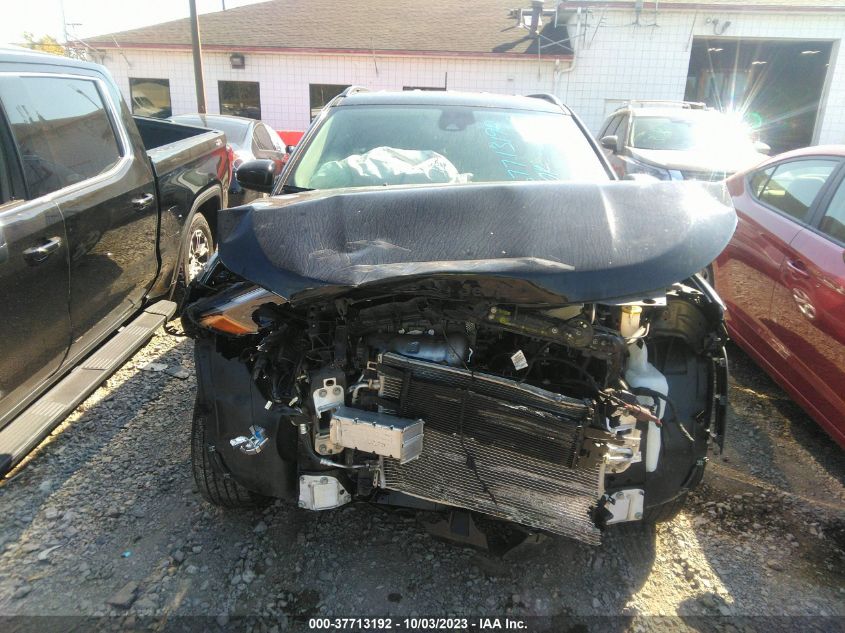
(776, 86)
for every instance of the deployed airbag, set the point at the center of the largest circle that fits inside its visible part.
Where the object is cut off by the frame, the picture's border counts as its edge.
(387, 166)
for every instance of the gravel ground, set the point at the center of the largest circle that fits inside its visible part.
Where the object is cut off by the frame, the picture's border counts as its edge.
(104, 520)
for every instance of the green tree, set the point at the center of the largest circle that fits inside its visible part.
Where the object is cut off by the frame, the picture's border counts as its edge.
(45, 43)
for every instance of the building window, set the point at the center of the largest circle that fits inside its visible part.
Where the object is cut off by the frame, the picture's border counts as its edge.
(150, 97)
(321, 94)
(240, 98)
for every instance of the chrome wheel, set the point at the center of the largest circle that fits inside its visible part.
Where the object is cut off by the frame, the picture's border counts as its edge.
(199, 252)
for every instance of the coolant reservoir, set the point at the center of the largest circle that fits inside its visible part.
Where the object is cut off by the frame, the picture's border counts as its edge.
(639, 373)
(630, 321)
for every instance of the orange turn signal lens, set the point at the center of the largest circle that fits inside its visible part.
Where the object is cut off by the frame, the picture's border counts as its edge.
(233, 310)
(228, 325)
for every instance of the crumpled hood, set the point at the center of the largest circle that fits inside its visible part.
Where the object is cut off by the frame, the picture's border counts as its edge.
(719, 161)
(569, 242)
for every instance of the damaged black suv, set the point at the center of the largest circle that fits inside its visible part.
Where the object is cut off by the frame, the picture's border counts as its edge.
(449, 302)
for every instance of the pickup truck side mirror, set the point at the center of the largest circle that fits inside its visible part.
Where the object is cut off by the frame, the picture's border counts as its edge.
(289, 148)
(610, 142)
(257, 175)
(763, 148)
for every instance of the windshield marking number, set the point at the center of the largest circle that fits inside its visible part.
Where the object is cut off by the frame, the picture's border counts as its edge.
(498, 143)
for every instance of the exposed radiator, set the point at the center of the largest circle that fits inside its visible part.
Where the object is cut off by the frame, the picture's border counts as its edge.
(492, 445)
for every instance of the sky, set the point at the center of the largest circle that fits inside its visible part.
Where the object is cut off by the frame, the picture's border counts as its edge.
(94, 17)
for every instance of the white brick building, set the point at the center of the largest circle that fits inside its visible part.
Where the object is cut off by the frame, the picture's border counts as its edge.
(600, 53)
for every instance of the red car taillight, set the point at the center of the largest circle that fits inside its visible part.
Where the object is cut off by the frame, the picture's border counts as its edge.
(231, 154)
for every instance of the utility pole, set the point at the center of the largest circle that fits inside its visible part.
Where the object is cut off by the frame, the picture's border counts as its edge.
(64, 20)
(195, 42)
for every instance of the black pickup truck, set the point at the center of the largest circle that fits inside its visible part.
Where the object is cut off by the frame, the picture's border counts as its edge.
(102, 216)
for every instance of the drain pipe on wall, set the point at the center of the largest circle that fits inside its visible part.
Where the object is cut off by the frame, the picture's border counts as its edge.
(558, 71)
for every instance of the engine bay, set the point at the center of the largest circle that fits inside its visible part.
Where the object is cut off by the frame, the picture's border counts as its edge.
(552, 417)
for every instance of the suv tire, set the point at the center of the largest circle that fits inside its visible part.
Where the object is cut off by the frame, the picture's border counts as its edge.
(214, 486)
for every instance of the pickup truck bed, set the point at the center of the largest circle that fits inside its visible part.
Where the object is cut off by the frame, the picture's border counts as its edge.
(180, 156)
(96, 210)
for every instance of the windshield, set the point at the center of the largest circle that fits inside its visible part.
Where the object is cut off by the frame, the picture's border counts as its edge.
(708, 132)
(234, 130)
(359, 146)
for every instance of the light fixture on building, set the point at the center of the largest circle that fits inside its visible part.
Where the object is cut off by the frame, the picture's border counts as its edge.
(714, 49)
(758, 62)
(810, 52)
(237, 60)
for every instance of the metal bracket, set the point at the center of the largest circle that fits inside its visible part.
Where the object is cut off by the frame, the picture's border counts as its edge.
(329, 396)
(625, 505)
(599, 446)
(253, 444)
(321, 492)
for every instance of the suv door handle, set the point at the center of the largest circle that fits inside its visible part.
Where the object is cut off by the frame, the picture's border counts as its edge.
(139, 204)
(797, 268)
(38, 254)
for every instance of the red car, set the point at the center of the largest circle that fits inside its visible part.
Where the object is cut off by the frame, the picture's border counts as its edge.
(783, 276)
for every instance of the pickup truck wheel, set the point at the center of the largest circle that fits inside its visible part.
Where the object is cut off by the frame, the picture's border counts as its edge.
(199, 248)
(214, 486)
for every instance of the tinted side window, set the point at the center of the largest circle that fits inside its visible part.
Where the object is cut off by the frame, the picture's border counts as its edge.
(262, 139)
(277, 140)
(759, 180)
(794, 186)
(833, 222)
(614, 126)
(622, 129)
(61, 128)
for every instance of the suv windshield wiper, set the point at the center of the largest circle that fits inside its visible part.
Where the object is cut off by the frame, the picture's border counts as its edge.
(294, 189)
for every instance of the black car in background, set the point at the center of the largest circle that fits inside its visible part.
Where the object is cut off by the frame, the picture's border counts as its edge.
(449, 302)
(101, 215)
(249, 140)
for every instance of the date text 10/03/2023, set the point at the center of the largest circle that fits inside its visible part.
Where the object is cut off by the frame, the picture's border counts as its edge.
(417, 624)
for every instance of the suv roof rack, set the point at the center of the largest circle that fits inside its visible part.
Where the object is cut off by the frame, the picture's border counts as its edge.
(666, 103)
(545, 96)
(351, 90)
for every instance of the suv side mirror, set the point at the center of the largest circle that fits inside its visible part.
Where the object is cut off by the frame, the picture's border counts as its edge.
(289, 148)
(257, 175)
(763, 148)
(610, 142)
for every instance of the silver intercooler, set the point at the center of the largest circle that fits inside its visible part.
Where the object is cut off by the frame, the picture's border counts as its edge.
(492, 445)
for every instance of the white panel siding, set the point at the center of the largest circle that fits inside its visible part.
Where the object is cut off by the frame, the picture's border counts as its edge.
(284, 79)
(614, 62)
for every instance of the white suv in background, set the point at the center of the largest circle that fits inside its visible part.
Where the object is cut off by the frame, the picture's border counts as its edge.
(678, 140)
